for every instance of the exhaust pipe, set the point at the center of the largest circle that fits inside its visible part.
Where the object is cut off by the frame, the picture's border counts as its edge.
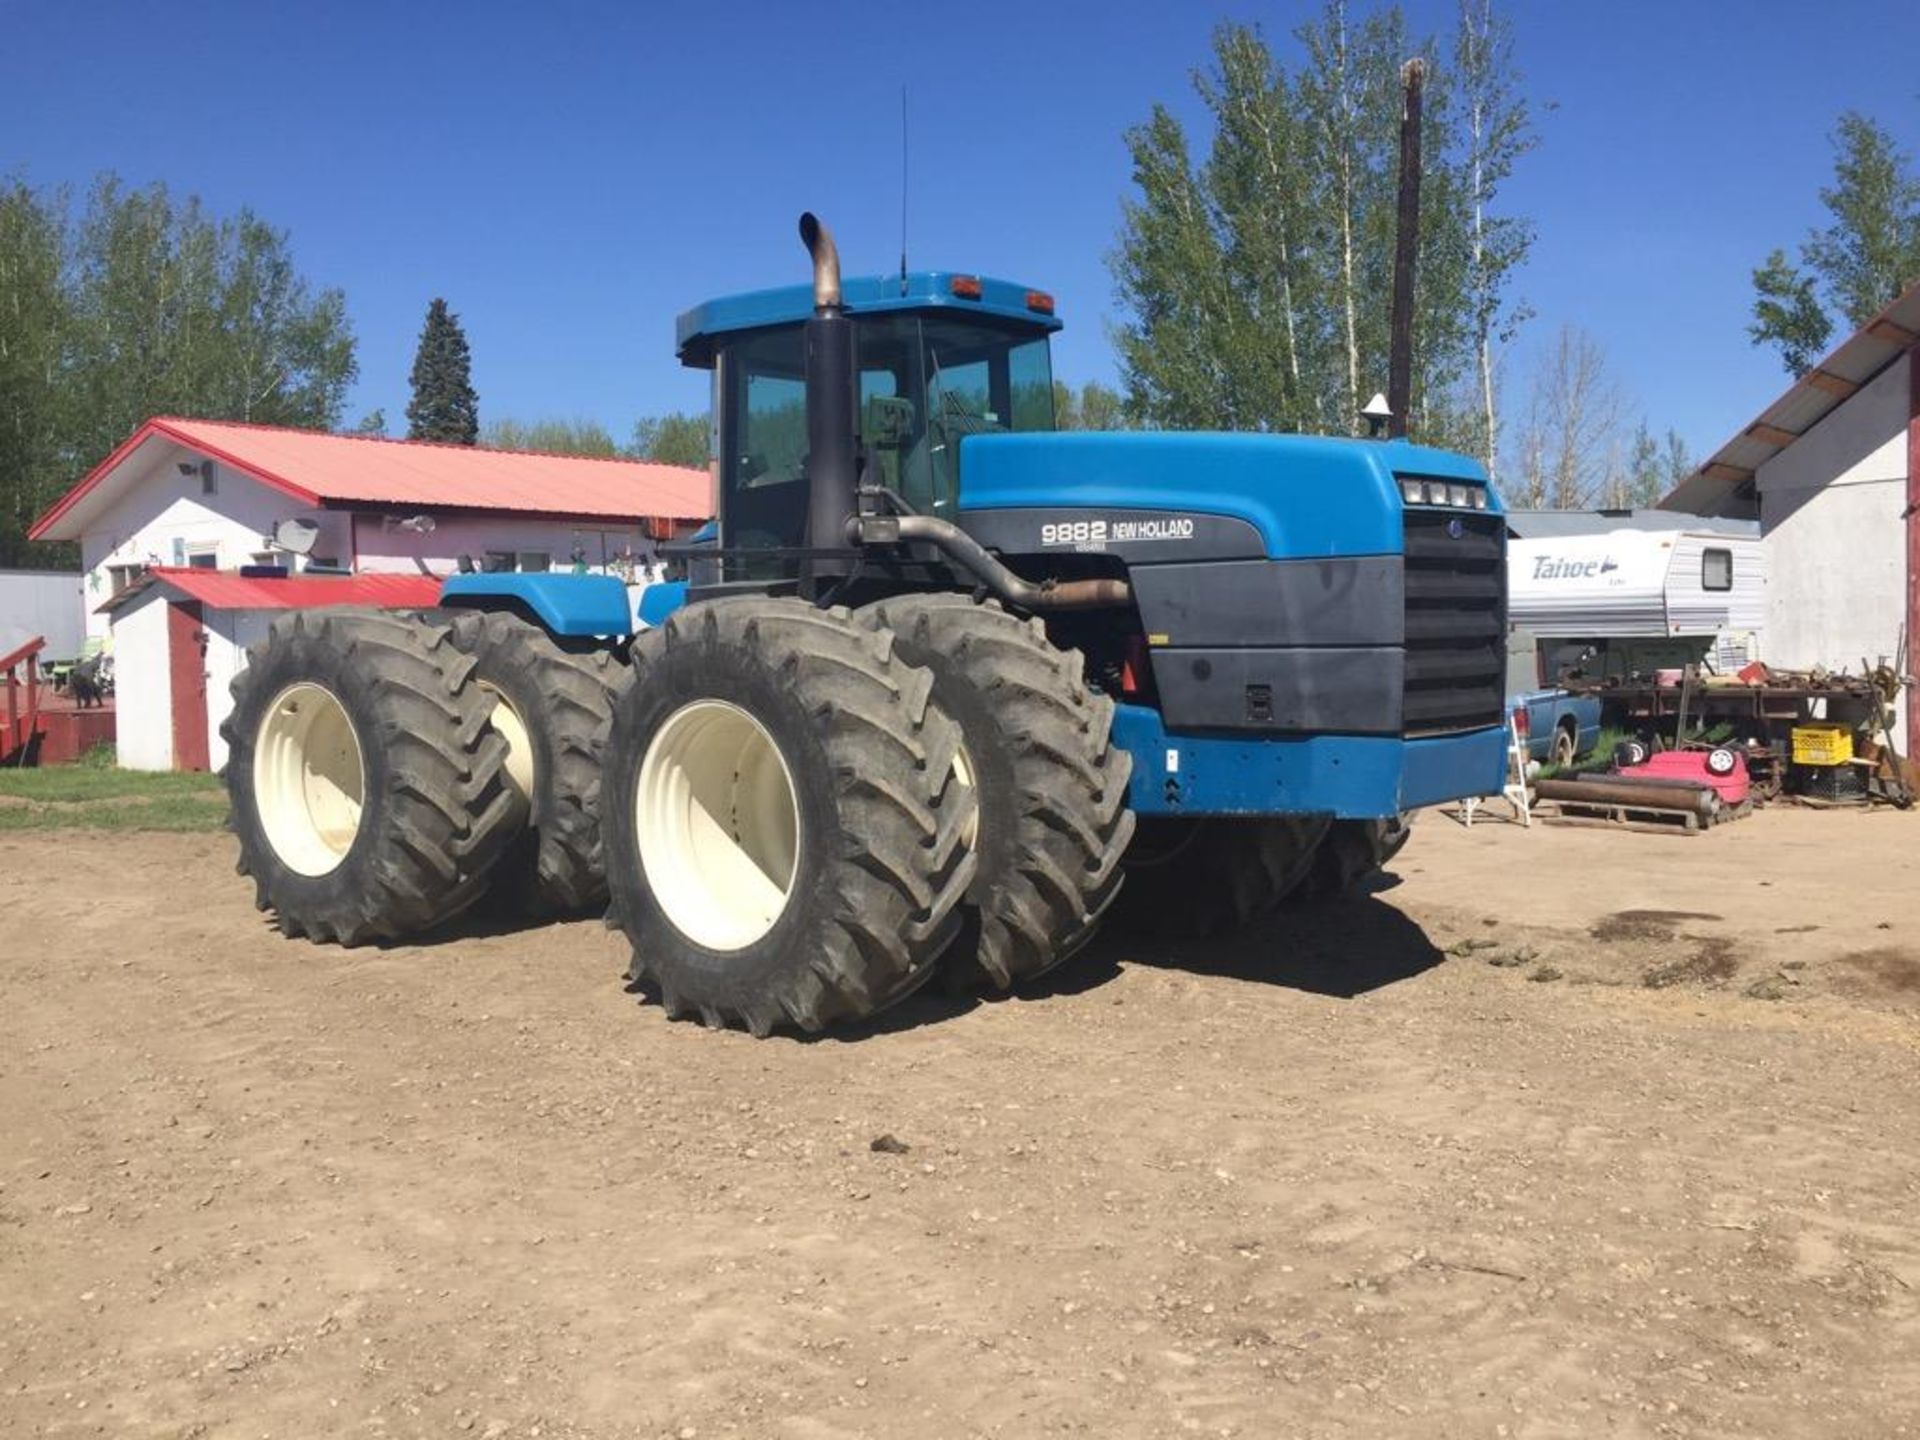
(826, 262)
(832, 466)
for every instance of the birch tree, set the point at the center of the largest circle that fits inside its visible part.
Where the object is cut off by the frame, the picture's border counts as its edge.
(1257, 286)
(1498, 130)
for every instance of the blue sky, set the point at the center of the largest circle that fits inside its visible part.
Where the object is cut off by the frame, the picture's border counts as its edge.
(571, 176)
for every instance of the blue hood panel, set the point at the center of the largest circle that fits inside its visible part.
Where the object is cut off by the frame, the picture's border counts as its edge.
(1307, 495)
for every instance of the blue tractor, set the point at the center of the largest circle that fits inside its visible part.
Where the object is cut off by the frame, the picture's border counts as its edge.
(945, 688)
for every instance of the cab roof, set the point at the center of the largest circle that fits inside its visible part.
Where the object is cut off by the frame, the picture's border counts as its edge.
(697, 330)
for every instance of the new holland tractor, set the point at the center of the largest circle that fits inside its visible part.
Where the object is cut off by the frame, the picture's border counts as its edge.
(946, 684)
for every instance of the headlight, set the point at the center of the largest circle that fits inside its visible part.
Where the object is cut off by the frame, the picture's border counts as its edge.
(1414, 492)
(1457, 495)
(1479, 497)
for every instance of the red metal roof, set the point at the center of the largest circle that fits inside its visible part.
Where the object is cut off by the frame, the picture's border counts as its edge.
(224, 590)
(316, 468)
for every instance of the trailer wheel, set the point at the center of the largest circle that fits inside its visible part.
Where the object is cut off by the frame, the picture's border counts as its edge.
(785, 832)
(1352, 853)
(368, 792)
(552, 704)
(1050, 785)
(1214, 875)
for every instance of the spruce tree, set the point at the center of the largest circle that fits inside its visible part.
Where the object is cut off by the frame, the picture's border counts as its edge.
(443, 407)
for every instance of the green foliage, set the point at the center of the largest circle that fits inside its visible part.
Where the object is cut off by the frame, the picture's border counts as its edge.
(1654, 466)
(1258, 283)
(1093, 407)
(1855, 266)
(36, 400)
(92, 795)
(444, 406)
(1787, 314)
(555, 437)
(144, 306)
(675, 439)
(373, 423)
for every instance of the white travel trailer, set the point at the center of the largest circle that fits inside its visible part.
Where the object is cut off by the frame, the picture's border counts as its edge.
(1636, 600)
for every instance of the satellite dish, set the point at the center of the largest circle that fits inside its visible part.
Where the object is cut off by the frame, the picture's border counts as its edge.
(297, 536)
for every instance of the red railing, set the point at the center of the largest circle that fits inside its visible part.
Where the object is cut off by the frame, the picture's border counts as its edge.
(21, 729)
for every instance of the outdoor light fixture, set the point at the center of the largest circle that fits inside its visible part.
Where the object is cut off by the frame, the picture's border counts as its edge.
(1376, 414)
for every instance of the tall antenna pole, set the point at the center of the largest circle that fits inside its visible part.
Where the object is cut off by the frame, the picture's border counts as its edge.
(903, 190)
(1406, 248)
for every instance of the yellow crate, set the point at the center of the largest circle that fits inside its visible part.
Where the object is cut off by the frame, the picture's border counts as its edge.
(1822, 745)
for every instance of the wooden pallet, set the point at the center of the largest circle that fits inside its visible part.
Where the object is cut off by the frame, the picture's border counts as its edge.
(1650, 818)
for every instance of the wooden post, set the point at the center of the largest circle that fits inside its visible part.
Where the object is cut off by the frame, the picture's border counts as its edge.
(1406, 248)
(1913, 552)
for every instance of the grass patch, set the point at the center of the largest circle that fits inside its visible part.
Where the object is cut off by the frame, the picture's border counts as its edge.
(1598, 758)
(92, 795)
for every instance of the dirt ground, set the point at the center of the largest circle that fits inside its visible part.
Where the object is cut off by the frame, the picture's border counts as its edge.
(1563, 1134)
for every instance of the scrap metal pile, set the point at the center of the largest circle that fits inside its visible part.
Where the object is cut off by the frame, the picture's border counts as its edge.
(1708, 748)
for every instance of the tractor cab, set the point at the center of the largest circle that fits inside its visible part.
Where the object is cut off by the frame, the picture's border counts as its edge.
(936, 357)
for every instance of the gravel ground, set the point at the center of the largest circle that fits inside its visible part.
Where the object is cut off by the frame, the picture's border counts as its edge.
(1561, 1133)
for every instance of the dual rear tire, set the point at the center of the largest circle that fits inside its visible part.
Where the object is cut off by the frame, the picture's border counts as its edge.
(370, 793)
(787, 830)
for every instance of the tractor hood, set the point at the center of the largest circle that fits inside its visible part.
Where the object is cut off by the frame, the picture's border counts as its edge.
(1304, 495)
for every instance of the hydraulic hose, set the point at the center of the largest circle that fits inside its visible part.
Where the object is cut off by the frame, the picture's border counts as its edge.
(973, 557)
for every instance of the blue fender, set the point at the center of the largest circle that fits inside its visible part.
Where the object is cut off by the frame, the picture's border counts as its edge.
(661, 599)
(565, 604)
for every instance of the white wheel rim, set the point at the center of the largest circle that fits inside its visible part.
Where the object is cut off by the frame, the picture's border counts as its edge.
(309, 779)
(718, 824)
(512, 728)
(963, 776)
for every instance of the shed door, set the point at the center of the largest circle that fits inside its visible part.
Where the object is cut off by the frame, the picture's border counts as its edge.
(187, 683)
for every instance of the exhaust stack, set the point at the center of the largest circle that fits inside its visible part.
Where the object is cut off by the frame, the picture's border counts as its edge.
(826, 262)
(832, 465)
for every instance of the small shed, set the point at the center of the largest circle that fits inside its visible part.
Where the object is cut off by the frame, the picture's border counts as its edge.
(1831, 470)
(181, 635)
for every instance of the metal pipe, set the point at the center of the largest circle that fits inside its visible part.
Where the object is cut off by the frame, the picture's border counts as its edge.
(1624, 790)
(826, 261)
(832, 464)
(970, 555)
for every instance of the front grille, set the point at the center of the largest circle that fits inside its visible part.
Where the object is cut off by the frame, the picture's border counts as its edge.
(1456, 588)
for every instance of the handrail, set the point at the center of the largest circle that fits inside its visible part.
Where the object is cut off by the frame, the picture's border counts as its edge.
(17, 737)
(32, 647)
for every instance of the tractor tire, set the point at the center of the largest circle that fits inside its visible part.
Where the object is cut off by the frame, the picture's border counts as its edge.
(1352, 854)
(369, 793)
(1050, 786)
(785, 832)
(1212, 876)
(554, 702)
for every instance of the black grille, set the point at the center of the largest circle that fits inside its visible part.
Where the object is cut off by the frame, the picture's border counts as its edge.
(1456, 584)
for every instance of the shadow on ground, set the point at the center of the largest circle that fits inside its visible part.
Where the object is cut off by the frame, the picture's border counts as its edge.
(1343, 948)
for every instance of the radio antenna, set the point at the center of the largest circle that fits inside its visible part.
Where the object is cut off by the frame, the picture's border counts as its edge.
(903, 189)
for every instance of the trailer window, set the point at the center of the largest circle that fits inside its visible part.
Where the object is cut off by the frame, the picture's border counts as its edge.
(1716, 569)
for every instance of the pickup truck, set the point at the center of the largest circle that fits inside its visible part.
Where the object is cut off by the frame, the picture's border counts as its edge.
(1558, 727)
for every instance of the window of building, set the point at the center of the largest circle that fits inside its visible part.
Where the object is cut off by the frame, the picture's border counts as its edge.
(204, 557)
(119, 577)
(498, 562)
(532, 561)
(1716, 569)
(208, 485)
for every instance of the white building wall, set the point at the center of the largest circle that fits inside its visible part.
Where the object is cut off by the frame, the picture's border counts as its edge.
(164, 518)
(1830, 509)
(41, 602)
(383, 546)
(230, 634)
(143, 706)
